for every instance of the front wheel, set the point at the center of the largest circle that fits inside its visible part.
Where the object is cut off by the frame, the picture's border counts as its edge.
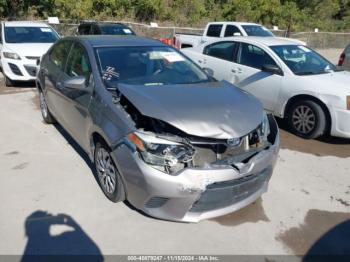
(306, 119)
(8, 81)
(107, 173)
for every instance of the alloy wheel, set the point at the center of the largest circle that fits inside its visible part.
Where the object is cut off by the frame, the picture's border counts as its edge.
(106, 171)
(303, 119)
(43, 105)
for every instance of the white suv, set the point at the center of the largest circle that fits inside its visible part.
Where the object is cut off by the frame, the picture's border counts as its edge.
(21, 45)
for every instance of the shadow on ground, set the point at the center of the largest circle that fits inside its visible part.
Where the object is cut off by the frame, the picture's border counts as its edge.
(252, 214)
(18, 87)
(322, 233)
(324, 146)
(57, 238)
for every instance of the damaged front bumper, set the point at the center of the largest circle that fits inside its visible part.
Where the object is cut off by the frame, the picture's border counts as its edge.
(196, 193)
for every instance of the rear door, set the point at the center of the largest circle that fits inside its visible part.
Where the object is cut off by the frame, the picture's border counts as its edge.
(219, 57)
(52, 71)
(247, 75)
(75, 102)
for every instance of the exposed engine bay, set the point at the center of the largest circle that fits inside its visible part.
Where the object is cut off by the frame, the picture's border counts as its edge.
(170, 150)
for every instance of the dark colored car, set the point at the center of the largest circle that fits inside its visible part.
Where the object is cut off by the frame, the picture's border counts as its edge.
(100, 28)
(162, 134)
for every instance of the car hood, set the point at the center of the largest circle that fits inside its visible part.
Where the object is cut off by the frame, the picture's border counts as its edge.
(335, 81)
(29, 49)
(213, 110)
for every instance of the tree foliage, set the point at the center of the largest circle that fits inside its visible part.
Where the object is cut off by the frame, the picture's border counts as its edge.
(292, 14)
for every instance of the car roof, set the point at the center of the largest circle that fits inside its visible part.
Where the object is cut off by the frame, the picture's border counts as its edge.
(116, 40)
(102, 23)
(25, 23)
(234, 23)
(267, 41)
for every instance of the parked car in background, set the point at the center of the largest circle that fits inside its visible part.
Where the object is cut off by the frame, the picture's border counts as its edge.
(344, 59)
(21, 45)
(215, 30)
(291, 80)
(103, 28)
(162, 133)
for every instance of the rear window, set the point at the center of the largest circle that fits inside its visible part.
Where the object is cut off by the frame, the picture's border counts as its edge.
(214, 30)
(28, 34)
(116, 30)
(256, 30)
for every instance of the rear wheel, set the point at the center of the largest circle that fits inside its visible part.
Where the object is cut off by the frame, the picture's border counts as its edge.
(108, 175)
(307, 119)
(45, 112)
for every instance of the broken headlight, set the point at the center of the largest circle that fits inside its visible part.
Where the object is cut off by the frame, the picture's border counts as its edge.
(165, 155)
(258, 138)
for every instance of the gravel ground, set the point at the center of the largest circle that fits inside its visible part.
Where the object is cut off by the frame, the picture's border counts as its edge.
(51, 201)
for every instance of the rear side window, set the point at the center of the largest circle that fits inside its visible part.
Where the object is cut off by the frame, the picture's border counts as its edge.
(253, 56)
(78, 62)
(214, 30)
(231, 30)
(59, 53)
(95, 30)
(222, 50)
(84, 30)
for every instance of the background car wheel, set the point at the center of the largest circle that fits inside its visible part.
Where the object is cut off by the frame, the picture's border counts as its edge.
(8, 82)
(107, 174)
(307, 119)
(48, 118)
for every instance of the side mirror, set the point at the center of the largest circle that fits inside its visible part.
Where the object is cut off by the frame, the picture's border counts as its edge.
(237, 34)
(77, 82)
(208, 71)
(273, 69)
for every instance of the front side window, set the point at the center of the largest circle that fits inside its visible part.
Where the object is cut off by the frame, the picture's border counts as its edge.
(253, 56)
(232, 30)
(222, 50)
(214, 30)
(24, 34)
(59, 53)
(147, 65)
(78, 62)
(257, 30)
(303, 60)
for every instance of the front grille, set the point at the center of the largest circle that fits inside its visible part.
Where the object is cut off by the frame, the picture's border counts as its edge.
(31, 70)
(33, 57)
(156, 202)
(227, 193)
(15, 69)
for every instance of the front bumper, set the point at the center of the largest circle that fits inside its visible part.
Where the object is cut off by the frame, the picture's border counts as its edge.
(195, 193)
(340, 122)
(19, 70)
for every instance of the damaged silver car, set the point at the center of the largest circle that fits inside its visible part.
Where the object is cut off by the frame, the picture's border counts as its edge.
(163, 135)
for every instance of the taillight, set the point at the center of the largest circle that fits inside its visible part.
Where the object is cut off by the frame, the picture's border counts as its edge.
(341, 59)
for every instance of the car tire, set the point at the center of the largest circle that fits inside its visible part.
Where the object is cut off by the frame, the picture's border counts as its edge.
(8, 81)
(306, 119)
(107, 173)
(45, 112)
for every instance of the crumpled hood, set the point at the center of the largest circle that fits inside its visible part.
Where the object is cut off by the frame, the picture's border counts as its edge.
(213, 110)
(29, 49)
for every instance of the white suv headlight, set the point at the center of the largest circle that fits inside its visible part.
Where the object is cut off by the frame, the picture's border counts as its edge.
(11, 55)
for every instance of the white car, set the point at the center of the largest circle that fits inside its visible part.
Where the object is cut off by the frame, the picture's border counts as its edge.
(291, 80)
(21, 45)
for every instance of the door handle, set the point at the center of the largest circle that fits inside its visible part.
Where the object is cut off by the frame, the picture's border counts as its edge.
(44, 71)
(59, 85)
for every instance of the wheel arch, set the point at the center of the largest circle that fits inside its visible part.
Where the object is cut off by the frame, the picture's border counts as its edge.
(314, 99)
